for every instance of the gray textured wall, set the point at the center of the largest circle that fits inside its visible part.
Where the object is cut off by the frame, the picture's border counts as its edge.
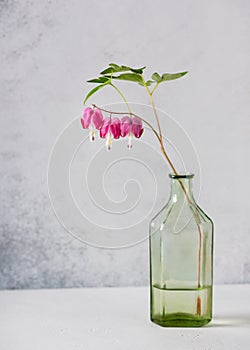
(48, 50)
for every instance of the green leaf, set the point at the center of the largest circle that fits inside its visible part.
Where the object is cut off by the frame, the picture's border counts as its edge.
(156, 77)
(167, 76)
(108, 70)
(172, 76)
(150, 82)
(135, 77)
(115, 68)
(114, 65)
(93, 91)
(138, 70)
(99, 80)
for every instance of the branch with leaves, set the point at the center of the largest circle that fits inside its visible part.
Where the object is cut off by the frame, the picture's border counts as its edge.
(134, 75)
(115, 72)
(129, 126)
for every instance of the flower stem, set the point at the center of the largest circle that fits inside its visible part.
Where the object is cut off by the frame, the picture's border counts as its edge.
(154, 110)
(153, 90)
(194, 210)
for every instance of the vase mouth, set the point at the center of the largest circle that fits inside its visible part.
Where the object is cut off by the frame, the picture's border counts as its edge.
(181, 176)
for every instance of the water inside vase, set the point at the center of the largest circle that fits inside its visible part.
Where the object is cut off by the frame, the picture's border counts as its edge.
(181, 307)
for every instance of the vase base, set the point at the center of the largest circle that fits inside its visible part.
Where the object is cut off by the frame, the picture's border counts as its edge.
(180, 320)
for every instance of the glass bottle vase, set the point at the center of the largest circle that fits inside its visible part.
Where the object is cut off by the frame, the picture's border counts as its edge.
(181, 260)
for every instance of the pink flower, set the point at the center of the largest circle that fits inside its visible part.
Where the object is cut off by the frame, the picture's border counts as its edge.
(131, 127)
(92, 119)
(110, 129)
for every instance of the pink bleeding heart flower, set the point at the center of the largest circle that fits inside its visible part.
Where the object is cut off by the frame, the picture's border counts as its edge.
(131, 127)
(92, 119)
(110, 129)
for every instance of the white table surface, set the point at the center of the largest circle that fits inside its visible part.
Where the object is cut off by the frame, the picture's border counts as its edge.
(115, 318)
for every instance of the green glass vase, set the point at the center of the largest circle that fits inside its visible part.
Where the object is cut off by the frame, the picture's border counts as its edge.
(181, 260)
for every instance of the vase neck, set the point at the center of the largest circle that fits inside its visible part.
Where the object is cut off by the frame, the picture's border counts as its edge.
(181, 187)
